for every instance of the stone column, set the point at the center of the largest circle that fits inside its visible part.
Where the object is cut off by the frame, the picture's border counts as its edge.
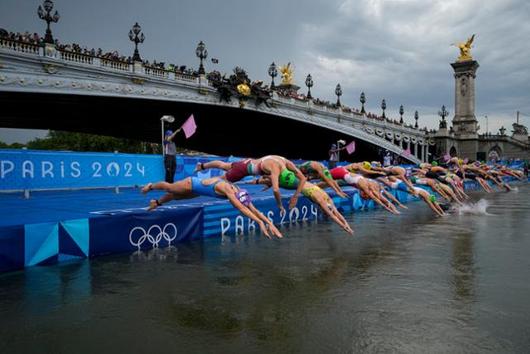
(464, 121)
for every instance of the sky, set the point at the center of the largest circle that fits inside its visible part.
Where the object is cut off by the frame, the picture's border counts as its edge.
(399, 50)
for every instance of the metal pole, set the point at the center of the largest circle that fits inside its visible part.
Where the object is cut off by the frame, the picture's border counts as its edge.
(163, 150)
(338, 151)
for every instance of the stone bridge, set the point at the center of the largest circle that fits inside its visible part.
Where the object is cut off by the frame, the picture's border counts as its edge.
(45, 88)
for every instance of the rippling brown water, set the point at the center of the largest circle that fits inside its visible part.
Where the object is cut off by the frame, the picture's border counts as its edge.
(413, 283)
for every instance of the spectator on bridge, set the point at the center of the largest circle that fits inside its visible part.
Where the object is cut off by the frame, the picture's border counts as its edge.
(170, 152)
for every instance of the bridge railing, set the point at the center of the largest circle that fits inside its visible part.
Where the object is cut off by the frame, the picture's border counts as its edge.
(115, 64)
(185, 77)
(19, 46)
(156, 72)
(76, 57)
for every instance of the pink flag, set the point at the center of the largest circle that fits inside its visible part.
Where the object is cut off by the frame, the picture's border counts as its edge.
(350, 147)
(189, 127)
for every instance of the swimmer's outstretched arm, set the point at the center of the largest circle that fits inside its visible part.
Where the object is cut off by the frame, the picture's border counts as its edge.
(246, 211)
(266, 220)
(330, 182)
(392, 198)
(301, 181)
(329, 211)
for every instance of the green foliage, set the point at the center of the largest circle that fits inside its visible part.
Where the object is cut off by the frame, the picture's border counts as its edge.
(59, 140)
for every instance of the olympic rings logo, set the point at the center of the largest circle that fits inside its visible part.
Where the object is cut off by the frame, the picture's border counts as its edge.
(153, 235)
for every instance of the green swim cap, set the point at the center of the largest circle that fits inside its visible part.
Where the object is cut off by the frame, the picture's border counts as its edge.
(327, 174)
(432, 198)
(434, 163)
(413, 179)
(288, 179)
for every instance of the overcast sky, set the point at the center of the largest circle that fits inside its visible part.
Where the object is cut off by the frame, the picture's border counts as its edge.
(393, 49)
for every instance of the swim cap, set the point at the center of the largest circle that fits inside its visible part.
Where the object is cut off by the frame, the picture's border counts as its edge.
(413, 179)
(460, 162)
(288, 179)
(367, 165)
(376, 163)
(333, 146)
(243, 196)
(434, 163)
(327, 174)
(432, 198)
(169, 132)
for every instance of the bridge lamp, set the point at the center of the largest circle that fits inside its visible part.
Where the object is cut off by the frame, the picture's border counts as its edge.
(47, 16)
(416, 116)
(273, 72)
(401, 111)
(136, 37)
(363, 101)
(443, 113)
(338, 92)
(202, 53)
(383, 107)
(309, 84)
(169, 119)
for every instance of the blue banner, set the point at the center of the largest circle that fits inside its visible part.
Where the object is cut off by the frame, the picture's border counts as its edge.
(30, 169)
(35, 169)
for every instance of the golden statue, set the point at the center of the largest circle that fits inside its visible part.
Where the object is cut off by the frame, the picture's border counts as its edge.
(287, 74)
(465, 49)
(243, 89)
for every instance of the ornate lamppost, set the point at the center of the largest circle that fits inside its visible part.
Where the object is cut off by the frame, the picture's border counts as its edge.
(202, 53)
(443, 113)
(309, 84)
(363, 101)
(383, 107)
(338, 92)
(46, 15)
(273, 72)
(137, 36)
(416, 116)
(401, 111)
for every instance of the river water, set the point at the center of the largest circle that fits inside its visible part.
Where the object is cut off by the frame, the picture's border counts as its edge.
(409, 283)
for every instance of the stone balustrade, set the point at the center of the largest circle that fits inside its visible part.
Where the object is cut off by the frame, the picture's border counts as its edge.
(19, 46)
(115, 65)
(76, 57)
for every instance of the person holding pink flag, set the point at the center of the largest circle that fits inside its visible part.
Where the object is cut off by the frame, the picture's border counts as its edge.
(170, 149)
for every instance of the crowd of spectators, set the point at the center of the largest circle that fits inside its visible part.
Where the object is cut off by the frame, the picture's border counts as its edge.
(35, 39)
(24, 37)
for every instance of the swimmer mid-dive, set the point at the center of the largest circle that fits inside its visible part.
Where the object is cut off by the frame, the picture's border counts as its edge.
(314, 169)
(278, 167)
(216, 187)
(362, 183)
(317, 196)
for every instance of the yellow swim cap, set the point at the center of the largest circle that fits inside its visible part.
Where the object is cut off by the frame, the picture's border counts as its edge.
(367, 165)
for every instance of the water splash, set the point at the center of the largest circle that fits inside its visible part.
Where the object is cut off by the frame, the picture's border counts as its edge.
(478, 208)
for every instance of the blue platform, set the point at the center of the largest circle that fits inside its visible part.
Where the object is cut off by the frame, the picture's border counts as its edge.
(58, 226)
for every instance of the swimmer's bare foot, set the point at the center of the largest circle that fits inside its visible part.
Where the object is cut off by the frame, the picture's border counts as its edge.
(152, 205)
(147, 188)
